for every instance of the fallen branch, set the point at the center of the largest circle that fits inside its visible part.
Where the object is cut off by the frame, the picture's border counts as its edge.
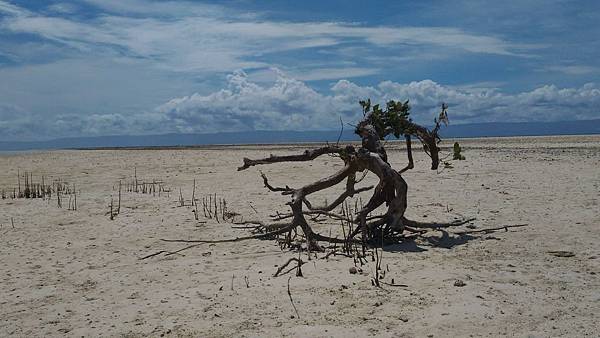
(416, 224)
(504, 227)
(229, 240)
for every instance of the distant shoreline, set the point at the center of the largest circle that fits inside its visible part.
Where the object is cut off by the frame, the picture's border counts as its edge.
(283, 137)
(300, 144)
(395, 142)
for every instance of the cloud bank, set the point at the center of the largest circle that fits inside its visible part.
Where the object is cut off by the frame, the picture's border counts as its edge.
(290, 104)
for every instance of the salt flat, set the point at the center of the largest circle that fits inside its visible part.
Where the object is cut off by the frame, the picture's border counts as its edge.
(78, 273)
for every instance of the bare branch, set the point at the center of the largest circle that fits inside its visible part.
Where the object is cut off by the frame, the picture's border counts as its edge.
(325, 183)
(504, 227)
(422, 225)
(229, 240)
(308, 155)
(272, 188)
(341, 199)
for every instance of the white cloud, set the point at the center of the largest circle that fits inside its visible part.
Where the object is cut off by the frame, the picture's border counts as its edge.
(105, 74)
(63, 8)
(573, 69)
(186, 36)
(244, 105)
(290, 104)
(159, 9)
(332, 73)
(10, 9)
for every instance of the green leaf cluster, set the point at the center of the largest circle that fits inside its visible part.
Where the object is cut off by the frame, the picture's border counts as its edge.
(394, 119)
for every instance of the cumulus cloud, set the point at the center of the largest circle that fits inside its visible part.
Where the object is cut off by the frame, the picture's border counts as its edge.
(290, 104)
(244, 105)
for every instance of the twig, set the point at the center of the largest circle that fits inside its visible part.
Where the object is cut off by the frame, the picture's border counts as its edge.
(152, 255)
(398, 285)
(341, 131)
(272, 188)
(293, 259)
(416, 224)
(194, 193)
(336, 253)
(112, 216)
(176, 252)
(119, 205)
(504, 227)
(253, 208)
(290, 295)
(229, 240)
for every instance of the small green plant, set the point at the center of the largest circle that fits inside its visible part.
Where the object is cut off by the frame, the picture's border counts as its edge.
(457, 154)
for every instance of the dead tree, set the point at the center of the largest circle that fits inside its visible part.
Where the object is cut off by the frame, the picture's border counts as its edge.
(392, 189)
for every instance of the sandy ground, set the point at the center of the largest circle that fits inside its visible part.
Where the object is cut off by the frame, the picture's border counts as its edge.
(78, 273)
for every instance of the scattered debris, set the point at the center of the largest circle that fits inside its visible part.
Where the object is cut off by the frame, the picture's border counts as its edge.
(459, 283)
(561, 253)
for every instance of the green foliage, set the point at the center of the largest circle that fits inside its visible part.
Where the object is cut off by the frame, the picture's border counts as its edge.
(394, 119)
(457, 154)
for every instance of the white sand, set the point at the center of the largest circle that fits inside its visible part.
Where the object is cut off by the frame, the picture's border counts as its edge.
(77, 273)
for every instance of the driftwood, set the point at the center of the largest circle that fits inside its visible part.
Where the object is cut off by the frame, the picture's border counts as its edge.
(358, 225)
(392, 188)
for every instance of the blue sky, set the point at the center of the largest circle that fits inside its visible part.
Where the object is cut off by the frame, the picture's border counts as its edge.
(105, 67)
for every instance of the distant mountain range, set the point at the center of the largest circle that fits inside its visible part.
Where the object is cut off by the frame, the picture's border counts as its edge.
(267, 137)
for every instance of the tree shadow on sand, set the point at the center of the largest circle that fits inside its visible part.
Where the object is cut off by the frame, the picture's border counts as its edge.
(440, 239)
(445, 239)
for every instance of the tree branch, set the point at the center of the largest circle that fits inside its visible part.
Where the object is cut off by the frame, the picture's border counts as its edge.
(229, 240)
(272, 188)
(504, 227)
(308, 155)
(410, 164)
(325, 183)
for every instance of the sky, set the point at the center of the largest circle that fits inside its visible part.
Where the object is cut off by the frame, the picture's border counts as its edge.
(136, 67)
